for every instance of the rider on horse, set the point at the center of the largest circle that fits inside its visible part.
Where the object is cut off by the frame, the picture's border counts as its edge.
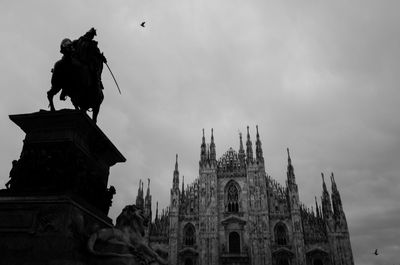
(88, 53)
(78, 73)
(67, 50)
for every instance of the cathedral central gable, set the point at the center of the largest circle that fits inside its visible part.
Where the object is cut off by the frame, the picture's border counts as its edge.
(229, 165)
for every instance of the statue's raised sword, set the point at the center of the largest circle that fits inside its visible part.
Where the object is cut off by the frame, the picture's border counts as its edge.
(113, 77)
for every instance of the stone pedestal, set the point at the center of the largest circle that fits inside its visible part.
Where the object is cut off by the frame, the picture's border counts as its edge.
(64, 151)
(57, 194)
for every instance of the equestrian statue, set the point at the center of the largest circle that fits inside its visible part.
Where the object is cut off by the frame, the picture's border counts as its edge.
(78, 74)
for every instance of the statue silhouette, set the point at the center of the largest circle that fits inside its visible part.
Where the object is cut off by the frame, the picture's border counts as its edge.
(78, 74)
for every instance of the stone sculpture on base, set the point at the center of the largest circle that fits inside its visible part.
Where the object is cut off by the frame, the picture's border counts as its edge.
(124, 244)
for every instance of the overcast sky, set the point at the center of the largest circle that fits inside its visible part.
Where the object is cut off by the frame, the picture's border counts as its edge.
(319, 77)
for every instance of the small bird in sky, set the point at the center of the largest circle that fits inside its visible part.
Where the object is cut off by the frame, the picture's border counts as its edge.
(142, 24)
(376, 252)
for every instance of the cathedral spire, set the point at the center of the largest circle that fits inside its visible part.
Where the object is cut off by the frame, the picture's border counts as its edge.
(324, 189)
(147, 201)
(141, 188)
(336, 200)
(212, 147)
(138, 191)
(183, 188)
(241, 154)
(326, 202)
(148, 188)
(290, 170)
(156, 218)
(249, 148)
(333, 182)
(139, 197)
(317, 207)
(203, 147)
(176, 163)
(176, 175)
(259, 152)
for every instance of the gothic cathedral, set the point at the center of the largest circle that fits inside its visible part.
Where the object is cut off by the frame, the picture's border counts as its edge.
(235, 213)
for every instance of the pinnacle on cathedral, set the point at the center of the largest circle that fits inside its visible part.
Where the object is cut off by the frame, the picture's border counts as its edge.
(336, 200)
(241, 155)
(326, 201)
(148, 188)
(207, 152)
(317, 208)
(183, 187)
(212, 147)
(147, 202)
(290, 170)
(259, 152)
(203, 150)
(175, 184)
(156, 218)
(139, 197)
(249, 148)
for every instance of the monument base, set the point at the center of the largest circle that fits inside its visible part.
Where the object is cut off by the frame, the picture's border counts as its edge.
(47, 230)
(64, 151)
(58, 194)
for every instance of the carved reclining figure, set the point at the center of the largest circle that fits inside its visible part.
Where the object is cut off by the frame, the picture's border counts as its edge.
(126, 241)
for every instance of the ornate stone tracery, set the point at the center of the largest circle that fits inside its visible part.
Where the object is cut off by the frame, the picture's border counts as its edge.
(189, 235)
(281, 237)
(232, 197)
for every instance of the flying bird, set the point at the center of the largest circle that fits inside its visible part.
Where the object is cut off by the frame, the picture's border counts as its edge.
(143, 24)
(376, 252)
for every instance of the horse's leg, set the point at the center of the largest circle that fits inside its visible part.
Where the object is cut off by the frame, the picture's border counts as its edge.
(50, 94)
(96, 110)
(76, 104)
(63, 95)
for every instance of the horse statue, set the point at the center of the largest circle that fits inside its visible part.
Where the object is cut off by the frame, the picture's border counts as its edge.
(78, 74)
(124, 244)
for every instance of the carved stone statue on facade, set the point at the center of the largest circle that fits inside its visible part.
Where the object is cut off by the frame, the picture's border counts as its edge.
(13, 174)
(78, 74)
(124, 244)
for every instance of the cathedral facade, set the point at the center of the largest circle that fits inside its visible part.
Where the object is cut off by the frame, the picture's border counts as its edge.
(235, 213)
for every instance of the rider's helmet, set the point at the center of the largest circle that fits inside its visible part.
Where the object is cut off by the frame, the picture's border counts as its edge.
(65, 46)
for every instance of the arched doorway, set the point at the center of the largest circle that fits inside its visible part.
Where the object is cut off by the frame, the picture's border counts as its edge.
(234, 242)
(188, 261)
(318, 262)
(284, 261)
